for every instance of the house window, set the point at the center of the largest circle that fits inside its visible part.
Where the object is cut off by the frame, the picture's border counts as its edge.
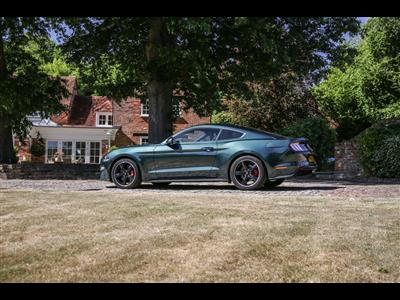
(144, 109)
(144, 140)
(51, 150)
(94, 152)
(80, 152)
(104, 119)
(67, 151)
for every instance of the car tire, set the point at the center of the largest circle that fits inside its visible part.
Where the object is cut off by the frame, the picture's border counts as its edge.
(130, 177)
(248, 168)
(161, 184)
(272, 184)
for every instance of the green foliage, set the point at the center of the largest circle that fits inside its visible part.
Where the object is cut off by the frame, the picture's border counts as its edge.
(366, 90)
(24, 87)
(320, 136)
(112, 148)
(388, 157)
(273, 107)
(379, 150)
(206, 59)
(37, 149)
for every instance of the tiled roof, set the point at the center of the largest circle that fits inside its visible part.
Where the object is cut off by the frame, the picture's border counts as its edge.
(101, 103)
(82, 110)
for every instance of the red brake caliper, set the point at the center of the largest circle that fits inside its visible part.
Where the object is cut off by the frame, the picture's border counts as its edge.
(254, 172)
(133, 172)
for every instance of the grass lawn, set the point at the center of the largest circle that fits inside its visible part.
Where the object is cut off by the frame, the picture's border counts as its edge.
(144, 237)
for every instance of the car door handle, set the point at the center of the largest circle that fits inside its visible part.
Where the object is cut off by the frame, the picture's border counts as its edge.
(208, 149)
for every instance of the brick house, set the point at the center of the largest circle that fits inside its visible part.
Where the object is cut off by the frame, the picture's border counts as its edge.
(91, 125)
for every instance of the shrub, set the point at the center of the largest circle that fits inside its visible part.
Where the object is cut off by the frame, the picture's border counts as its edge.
(320, 136)
(37, 149)
(388, 157)
(379, 151)
(112, 148)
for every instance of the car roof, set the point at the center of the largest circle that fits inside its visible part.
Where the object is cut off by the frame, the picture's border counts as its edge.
(254, 131)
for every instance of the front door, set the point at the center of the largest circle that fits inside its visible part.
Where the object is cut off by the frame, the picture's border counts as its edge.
(193, 157)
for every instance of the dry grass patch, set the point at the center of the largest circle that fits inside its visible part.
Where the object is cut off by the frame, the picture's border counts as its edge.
(144, 237)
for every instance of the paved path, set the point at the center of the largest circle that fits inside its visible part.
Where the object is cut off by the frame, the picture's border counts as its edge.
(288, 188)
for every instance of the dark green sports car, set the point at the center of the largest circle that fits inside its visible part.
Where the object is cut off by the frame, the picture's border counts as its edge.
(249, 158)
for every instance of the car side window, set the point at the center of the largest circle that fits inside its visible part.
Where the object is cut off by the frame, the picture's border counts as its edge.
(229, 135)
(198, 135)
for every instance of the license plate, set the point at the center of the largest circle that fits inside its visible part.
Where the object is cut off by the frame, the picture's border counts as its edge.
(311, 159)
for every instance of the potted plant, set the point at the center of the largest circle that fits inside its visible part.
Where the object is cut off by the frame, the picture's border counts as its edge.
(58, 157)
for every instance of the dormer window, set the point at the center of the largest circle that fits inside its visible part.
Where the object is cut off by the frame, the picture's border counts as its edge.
(104, 119)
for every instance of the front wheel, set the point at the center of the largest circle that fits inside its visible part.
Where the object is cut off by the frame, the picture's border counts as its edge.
(248, 173)
(125, 174)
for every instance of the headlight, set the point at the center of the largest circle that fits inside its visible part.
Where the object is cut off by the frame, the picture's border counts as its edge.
(105, 158)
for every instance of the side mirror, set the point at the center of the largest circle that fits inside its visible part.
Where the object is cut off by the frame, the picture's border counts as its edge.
(171, 141)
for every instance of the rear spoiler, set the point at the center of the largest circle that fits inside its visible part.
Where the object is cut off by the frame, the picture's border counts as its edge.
(300, 140)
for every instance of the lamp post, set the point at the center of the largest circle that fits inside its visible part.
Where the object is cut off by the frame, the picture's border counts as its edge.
(109, 138)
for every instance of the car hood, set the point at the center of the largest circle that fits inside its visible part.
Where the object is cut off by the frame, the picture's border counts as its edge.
(132, 149)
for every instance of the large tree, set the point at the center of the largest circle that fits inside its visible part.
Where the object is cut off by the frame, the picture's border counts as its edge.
(24, 87)
(275, 105)
(202, 60)
(366, 89)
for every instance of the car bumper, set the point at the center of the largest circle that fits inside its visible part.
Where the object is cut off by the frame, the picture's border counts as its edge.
(287, 170)
(104, 174)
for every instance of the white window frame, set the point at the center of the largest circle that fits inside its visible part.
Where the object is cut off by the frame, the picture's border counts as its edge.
(141, 108)
(142, 137)
(106, 114)
(73, 157)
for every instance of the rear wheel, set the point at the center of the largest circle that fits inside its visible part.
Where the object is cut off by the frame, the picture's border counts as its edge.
(125, 174)
(271, 184)
(248, 173)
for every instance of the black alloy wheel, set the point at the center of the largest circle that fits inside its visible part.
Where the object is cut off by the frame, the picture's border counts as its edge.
(248, 173)
(125, 174)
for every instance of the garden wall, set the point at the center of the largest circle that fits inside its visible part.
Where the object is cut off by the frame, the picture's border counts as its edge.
(49, 171)
(346, 154)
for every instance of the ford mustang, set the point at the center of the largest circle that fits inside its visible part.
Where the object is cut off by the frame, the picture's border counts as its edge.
(249, 158)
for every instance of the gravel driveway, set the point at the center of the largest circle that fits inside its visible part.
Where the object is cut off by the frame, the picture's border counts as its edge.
(292, 187)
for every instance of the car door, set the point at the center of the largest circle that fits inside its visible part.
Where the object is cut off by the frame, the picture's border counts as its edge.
(192, 157)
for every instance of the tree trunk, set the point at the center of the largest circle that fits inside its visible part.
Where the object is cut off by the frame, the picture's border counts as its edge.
(6, 142)
(160, 105)
(7, 154)
(159, 90)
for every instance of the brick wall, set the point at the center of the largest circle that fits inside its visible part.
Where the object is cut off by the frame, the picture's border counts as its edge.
(127, 114)
(346, 154)
(49, 171)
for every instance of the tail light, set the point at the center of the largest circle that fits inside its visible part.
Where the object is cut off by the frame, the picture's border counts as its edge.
(297, 147)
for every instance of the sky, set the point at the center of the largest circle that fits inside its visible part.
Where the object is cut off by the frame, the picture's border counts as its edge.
(362, 19)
